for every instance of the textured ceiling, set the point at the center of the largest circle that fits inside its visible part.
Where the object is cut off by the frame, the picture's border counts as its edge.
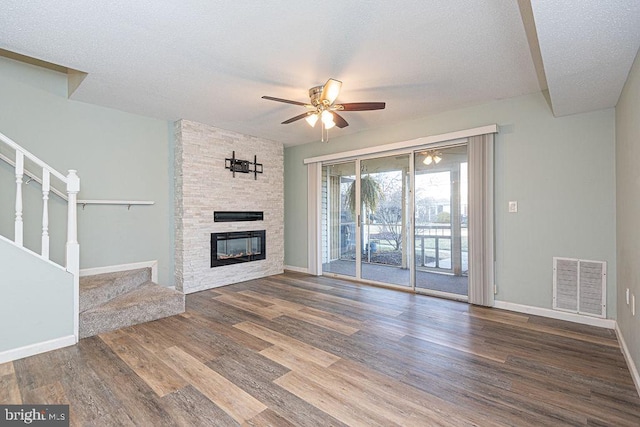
(211, 61)
(588, 47)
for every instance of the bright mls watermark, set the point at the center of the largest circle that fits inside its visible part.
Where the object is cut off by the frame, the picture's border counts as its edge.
(36, 415)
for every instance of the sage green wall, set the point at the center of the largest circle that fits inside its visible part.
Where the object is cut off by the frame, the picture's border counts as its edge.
(37, 299)
(560, 170)
(628, 209)
(118, 156)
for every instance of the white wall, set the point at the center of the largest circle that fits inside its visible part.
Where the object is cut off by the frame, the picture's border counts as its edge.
(628, 209)
(118, 156)
(560, 170)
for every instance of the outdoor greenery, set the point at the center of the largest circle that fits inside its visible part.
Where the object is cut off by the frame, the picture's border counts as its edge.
(389, 213)
(369, 193)
(443, 217)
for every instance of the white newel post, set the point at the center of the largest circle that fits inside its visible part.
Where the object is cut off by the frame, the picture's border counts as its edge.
(19, 174)
(46, 183)
(73, 248)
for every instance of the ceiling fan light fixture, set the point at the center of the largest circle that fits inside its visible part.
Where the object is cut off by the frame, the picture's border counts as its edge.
(312, 119)
(432, 157)
(327, 119)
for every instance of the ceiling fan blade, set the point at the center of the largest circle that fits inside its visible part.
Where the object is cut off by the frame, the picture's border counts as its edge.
(362, 106)
(286, 101)
(330, 91)
(296, 118)
(339, 120)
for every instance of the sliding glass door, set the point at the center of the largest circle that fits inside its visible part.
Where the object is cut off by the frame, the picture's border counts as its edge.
(338, 220)
(384, 219)
(399, 220)
(441, 221)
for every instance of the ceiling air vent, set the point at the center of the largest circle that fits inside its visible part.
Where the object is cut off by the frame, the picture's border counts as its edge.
(580, 286)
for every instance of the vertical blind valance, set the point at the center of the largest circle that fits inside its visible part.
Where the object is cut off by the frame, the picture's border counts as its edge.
(449, 137)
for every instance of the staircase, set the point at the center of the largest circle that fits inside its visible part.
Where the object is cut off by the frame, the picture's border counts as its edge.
(86, 306)
(57, 325)
(112, 301)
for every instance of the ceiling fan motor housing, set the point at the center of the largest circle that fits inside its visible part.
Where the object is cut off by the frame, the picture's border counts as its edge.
(314, 95)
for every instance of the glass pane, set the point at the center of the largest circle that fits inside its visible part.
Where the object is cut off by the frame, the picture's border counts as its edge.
(441, 207)
(255, 246)
(222, 249)
(338, 223)
(384, 191)
(232, 248)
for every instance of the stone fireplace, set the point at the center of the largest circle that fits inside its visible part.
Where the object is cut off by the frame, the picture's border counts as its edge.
(244, 213)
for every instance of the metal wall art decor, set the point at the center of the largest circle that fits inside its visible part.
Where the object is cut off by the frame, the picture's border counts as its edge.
(243, 166)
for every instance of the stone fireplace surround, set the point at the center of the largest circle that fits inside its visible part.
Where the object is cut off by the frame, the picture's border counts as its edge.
(203, 185)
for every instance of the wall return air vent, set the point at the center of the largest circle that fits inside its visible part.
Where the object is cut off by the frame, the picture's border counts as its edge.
(580, 286)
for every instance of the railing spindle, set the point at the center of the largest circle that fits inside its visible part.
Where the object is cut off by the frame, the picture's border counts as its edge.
(18, 236)
(45, 212)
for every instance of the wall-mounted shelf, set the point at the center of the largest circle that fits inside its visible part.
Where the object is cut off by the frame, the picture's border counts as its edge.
(127, 203)
(32, 177)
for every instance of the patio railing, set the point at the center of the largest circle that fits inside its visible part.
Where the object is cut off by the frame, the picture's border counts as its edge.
(432, 242)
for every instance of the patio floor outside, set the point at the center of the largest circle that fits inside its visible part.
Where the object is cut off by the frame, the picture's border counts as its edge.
(428, 280)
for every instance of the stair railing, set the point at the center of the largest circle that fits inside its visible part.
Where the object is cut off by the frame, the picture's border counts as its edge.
(72, 183)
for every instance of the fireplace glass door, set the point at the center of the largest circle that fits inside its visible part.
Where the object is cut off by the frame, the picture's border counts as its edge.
(236, 247)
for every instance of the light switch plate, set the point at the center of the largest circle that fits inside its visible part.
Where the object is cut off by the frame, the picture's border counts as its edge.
(513, 207)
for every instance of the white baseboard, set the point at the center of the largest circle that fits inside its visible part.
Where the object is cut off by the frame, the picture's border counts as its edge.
(37, 348)
(296, 269)
(553, 314)
(123, 267)
(627, 357)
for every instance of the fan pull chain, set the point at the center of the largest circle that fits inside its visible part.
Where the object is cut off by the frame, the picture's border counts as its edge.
(323, 129)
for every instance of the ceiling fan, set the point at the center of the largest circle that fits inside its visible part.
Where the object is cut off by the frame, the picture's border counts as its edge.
(322, 107)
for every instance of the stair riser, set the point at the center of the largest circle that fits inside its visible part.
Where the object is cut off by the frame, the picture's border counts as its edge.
(92, 323)
(113, 286)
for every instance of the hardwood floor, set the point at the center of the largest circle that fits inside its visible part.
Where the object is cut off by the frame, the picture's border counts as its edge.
(297, 350)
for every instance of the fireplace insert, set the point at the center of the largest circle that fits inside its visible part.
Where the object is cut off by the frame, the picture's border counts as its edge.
(237, 246)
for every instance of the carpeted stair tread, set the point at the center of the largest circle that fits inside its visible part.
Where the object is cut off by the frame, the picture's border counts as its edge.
(100, 288)
(146, 303)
